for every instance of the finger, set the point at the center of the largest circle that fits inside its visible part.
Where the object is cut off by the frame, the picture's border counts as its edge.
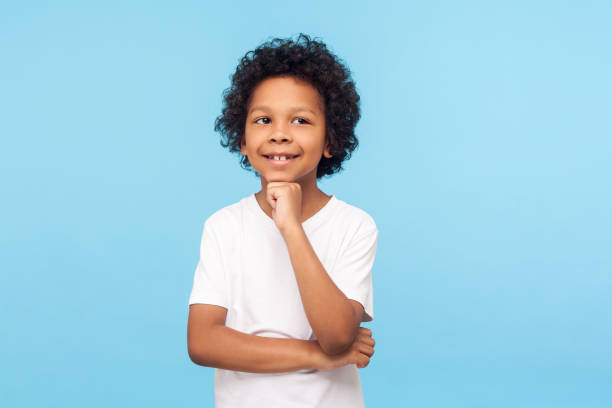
(367, 350)
(364, 334)
(365, 330)
(367, 340)
(365, 360)
(270, 197)
(364, 338)
(365, 343)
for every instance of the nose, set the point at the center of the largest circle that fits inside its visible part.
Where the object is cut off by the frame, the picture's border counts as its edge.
(279, 134)
(278, 138)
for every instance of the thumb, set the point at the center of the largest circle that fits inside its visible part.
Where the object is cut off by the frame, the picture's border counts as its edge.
(270, 199)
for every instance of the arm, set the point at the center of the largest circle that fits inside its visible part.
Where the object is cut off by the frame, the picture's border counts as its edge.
(210, 343)
(333, 317)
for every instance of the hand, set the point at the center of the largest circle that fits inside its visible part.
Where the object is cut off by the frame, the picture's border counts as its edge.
(285, 198)
(358, 353)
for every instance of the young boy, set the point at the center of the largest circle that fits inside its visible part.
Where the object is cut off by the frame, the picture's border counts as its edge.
(284, 276)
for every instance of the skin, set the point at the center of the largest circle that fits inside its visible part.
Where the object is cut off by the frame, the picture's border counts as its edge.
(287, 114)
(289, 196)
(272, 124)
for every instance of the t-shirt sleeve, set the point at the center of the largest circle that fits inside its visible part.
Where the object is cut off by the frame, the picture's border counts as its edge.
(353, 271)
(209, 281)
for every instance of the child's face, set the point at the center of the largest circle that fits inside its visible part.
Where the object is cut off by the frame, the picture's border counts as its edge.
(285, 115)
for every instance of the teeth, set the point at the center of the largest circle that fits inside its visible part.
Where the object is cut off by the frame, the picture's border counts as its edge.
(281, 157)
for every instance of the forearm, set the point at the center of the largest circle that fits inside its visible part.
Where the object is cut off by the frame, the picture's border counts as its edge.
(226, 348)
(328, 310)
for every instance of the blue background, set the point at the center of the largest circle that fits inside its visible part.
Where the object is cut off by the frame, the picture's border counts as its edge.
(485, 159)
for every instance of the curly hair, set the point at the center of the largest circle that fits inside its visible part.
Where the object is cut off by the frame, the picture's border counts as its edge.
(308, 60)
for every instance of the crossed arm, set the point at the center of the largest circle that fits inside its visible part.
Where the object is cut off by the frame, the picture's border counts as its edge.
(334, 318)
(210, 343)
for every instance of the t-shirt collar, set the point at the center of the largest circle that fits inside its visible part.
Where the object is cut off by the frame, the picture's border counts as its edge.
(309, 224)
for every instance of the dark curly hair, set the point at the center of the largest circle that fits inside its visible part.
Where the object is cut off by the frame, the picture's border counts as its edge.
(308, 60)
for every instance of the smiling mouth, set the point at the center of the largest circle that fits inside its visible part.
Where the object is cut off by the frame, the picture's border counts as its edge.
(286, 157)
(280, 162)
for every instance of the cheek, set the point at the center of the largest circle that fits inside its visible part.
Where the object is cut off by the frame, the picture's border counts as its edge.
(254, 133)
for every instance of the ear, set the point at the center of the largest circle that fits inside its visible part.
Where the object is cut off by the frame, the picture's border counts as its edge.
(326, 152)
(243, 146)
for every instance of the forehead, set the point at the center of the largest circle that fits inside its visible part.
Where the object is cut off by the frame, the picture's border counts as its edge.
(278, 93)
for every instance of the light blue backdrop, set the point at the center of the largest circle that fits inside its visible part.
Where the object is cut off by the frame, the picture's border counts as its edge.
(485, 159)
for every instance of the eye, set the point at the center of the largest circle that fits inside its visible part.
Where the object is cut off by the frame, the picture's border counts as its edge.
(305, 121)
(257, 121)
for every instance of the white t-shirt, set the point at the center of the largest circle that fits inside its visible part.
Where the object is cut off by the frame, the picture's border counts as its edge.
(245, 267)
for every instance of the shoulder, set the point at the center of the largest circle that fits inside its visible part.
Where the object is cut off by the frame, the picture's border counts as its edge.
(225, 220)
(354, 220)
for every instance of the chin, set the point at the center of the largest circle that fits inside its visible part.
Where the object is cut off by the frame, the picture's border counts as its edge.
(279, 178)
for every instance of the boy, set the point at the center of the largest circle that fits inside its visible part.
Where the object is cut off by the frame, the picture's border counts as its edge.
(284, 276)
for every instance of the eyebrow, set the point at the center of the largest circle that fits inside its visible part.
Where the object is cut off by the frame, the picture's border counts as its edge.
(294, 109)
